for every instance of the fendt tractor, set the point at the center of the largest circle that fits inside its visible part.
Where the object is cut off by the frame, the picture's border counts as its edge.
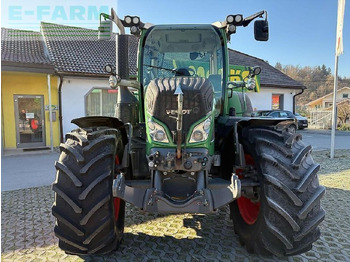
(183, 141)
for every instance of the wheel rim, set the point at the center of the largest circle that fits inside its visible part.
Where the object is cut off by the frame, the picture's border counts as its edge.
(116, 208)
(249, 210)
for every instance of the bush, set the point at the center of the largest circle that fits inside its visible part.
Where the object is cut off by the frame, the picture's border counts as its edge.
(344, 127)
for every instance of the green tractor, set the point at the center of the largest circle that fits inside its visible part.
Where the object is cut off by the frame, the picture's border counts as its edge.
(185, 142)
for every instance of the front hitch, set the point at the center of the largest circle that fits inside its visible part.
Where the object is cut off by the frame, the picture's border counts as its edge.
(142, 194)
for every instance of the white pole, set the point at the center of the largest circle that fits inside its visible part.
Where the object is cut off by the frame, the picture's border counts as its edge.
(334, 110)
(50, 111)
(338, 51)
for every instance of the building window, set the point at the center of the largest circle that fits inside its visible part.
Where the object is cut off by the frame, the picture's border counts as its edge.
(345, 95)
(277, 101)
(328, 104)
(100, 102)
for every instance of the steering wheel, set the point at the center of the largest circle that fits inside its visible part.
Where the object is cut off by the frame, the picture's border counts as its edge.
(182, 71)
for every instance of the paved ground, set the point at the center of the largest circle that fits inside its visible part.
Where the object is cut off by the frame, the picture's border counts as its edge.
(27, 229)
(27, 223)
(321, 139)
(27, 170)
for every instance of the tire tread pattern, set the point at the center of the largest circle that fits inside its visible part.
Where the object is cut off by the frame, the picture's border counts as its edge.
(290, 210)
(83, 207)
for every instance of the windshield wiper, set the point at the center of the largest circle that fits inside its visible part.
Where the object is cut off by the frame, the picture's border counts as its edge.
(158, 67)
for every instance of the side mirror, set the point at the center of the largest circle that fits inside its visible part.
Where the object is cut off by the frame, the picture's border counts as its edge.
(261, 30)
(105, 30)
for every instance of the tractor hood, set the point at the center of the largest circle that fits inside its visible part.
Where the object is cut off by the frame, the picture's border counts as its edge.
(162, 104)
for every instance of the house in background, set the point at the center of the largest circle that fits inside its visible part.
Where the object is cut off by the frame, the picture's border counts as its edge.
(28, 92)
(320, 109)
(278, 91)
(326, 101)
(79, 86)
(79, 59)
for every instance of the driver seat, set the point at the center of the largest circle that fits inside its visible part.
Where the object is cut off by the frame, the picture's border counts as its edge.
(216, 82)
(182, 72)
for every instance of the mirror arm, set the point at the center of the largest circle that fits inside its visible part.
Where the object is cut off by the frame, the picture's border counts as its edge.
(250, 18)
(114, 17)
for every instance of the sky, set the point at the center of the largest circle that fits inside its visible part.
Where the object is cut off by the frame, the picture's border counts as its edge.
(302, 32)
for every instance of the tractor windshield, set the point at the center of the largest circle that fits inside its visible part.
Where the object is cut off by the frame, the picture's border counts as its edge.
(183, 50)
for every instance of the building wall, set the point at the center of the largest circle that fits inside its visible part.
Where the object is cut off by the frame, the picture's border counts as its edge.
(263, 99)
(20, 83)
(74, 91)
(327, 100)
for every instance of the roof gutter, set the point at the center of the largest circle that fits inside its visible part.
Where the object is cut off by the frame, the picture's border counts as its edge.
(282, 86)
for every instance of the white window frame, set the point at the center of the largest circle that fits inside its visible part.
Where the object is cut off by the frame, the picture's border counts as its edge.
(101, 99)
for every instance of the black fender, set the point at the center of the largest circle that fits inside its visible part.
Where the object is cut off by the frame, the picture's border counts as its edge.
(102, 121)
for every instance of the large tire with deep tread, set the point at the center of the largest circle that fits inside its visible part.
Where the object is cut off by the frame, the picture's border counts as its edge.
(86, 219)
(289, 205)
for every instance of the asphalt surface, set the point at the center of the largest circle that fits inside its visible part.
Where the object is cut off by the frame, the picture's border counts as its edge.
(26, 171)
(321, 139)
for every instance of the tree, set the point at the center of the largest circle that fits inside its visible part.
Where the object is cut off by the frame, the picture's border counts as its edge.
(343, 112)
(318, 80)
(279, 66)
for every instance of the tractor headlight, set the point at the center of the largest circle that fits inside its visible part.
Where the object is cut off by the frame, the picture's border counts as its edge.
(136, 20)
(157, 132)
(230, 19)
(197, 135)
(159, 135)
(201, 131)
(128, 19)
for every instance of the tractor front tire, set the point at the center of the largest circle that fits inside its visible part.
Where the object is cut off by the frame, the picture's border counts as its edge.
(284, 219)
(88, 219)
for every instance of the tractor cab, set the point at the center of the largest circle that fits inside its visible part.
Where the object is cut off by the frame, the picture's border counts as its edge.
(184, 51)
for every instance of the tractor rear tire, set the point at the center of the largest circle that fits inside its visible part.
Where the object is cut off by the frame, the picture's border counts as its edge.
(88, 219)
(284, 220)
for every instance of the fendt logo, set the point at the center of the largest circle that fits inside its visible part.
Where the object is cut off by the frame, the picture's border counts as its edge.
(174, 111)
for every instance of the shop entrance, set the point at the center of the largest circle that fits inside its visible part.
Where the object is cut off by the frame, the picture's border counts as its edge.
(30, 122)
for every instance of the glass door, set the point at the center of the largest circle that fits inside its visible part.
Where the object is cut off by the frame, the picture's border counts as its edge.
(30, 122)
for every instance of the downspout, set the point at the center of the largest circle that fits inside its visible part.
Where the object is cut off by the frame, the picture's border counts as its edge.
(50, 110)
(302, 91)
(60, 118)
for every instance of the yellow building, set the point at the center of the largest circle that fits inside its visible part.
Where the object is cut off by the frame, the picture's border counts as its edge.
(29, 95)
